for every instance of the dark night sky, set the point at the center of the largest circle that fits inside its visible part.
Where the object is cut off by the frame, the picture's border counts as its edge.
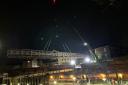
(32, 24)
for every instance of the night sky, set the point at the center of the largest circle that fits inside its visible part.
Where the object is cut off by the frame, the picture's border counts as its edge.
(30, 25)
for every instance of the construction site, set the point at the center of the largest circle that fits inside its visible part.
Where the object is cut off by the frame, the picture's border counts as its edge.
(38, 67)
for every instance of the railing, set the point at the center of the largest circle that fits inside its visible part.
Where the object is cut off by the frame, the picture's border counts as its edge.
(27, 52)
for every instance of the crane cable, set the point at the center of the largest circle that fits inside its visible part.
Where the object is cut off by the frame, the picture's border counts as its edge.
(88, 46)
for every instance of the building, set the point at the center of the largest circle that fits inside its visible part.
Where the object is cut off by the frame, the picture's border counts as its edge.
(103, 53)
(28, 66)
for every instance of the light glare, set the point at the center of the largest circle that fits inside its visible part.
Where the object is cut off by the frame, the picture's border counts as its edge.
(85, 44)
(74, 78)
(73, 62)
(87, 60)
(104, 79)
(27, 84)
(55, 82)
(18, 84)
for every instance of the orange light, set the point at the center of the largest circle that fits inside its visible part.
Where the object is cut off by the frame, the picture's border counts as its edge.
(120, 75)
(102, 75)
(61, 76)
(104, 79)
(51, 77)
(74, 78)
(84, 76)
